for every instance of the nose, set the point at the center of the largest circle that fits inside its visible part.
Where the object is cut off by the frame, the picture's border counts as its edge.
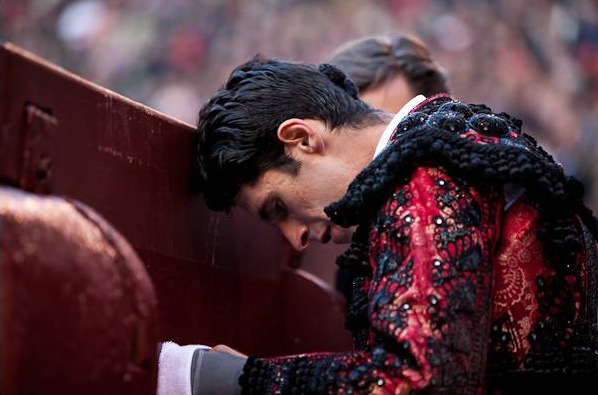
(296, 233)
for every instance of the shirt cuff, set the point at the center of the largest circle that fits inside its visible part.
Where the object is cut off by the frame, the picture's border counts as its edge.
(218, 374)
(174, 368)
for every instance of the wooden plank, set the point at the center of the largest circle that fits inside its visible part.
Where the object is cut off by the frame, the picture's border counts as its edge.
(218, 279)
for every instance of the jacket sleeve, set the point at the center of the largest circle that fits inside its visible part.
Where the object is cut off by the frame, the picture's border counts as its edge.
(430, 247)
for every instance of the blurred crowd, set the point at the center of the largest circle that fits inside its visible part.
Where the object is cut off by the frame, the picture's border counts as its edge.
(537, 60)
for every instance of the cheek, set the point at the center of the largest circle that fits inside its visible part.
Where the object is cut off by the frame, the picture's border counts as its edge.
(323, 196)
(304, 202)
(304, 198)
(311, 196)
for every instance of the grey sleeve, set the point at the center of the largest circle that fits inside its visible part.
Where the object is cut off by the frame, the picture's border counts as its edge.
(215, 373)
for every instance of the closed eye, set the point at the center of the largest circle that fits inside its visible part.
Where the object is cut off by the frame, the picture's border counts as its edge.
(273, 209)
(280, 210)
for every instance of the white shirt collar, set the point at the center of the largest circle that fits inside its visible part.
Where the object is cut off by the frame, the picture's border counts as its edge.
(410, 105)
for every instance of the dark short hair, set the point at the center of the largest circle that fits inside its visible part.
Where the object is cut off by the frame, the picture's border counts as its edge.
(237, 127)
(373, 60)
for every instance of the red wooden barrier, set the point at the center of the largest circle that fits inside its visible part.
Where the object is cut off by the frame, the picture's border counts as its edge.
(218, 280)
(78, 308)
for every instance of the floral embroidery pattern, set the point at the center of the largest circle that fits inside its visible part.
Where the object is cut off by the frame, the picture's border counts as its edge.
(423, 261)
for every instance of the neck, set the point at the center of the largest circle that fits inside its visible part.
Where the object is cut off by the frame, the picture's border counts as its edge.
(357, 146)
(370, 137)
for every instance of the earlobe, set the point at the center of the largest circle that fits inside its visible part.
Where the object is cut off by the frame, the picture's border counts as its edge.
(299, 134)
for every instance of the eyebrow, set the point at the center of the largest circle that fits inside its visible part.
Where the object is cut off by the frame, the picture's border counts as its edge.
(265, 211)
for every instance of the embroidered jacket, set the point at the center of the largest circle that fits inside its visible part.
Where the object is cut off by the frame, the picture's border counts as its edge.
(457, 286)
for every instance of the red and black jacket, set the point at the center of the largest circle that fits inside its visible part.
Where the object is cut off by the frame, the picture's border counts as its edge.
(451, 291)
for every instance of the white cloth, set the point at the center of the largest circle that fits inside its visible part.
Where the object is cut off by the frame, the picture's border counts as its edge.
(174, 368)
(386, 135)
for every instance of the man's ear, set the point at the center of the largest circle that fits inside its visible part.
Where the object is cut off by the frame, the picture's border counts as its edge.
(304, 135)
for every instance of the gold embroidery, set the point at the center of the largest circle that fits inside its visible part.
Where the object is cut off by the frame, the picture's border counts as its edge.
(516, 266)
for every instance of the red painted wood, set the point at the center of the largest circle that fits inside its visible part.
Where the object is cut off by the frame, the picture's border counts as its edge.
(78, 307)
(218, 280)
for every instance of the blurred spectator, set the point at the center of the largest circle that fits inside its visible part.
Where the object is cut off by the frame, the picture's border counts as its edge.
(389, 70)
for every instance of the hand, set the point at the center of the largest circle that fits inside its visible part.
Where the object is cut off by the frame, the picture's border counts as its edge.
(226, 349)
